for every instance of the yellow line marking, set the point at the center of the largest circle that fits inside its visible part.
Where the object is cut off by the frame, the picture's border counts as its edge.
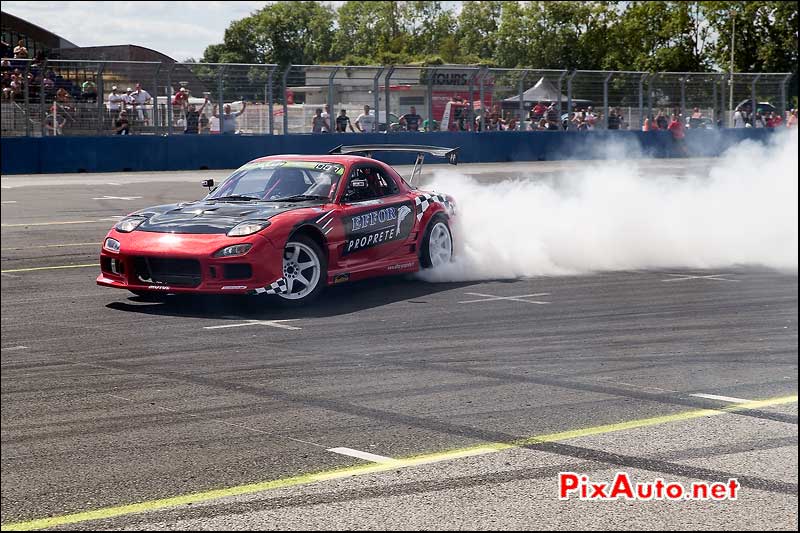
(53, 246)
(56, 223)
(50, 268)
(339, 473)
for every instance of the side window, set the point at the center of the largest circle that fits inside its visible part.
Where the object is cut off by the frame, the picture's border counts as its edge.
(368, 183)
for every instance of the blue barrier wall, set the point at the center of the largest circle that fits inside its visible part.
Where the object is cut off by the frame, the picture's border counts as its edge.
(23, 155)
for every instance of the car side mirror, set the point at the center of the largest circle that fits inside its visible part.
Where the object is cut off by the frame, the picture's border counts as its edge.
(208, 183)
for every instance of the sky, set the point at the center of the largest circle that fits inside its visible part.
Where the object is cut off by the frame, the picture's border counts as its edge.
(181, 30)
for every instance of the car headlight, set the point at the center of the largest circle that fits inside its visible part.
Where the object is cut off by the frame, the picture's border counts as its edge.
(248, 228)
(111, 245)
(234, 250)
(126, 225)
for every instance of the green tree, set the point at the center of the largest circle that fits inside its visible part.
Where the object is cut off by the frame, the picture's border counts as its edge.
(282, 33)
(478, 23)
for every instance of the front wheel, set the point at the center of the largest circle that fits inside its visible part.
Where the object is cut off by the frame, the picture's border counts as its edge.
(437, 244)
(305, 270)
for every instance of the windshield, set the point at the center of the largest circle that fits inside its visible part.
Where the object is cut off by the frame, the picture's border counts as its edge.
(274, 180)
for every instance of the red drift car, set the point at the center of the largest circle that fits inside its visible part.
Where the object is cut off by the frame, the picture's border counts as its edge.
(286, 225)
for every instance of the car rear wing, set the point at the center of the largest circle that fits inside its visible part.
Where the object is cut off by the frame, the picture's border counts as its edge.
(436, 151)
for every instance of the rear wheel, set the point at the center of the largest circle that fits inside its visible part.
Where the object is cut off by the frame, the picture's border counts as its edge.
(437, 244)
(305, 270)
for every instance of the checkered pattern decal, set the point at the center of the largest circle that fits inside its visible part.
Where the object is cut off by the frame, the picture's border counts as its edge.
(279, 287)
(425, 200)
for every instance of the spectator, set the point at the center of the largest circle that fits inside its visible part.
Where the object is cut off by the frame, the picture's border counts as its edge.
(459, 114)
(696, 120)
(213, 123)
(678, 135)
(791, 120)
(62, 96)
(5, 50)
(759, 121)
(614, 120)
(510, 122)
(128, 99)
(365, 122)
(89, 91)
(181, 98)
(20, 52)
(140, 98)
(590, 118)
(552, 117)
(204, 124)
(54, 123)
(537, 112)
(343, 122)
(227, 121)
(121, 125)
(738, 119)
(193, 118)
(326, 117)
(661, 121)
(116, 103)
(542, 124)
(429, 125)
(318, 123)
(411, 120)
(648, 124)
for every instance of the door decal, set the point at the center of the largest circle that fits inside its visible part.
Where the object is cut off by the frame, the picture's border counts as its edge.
(378, 226)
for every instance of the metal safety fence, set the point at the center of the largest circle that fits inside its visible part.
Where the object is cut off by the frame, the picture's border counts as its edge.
(68, 97)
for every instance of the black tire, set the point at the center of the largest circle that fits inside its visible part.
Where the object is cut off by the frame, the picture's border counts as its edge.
(424, 250)
(322, 282)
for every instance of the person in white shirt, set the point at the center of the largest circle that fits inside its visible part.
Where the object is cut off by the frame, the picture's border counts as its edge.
(326, 119)
(139, 98)
(738, 119)
(365, 122)
(115, 103)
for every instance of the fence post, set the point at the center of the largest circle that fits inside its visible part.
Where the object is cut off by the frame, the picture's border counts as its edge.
(521, 120)
(221, 109)
(560, 80)
(569, 95)
(331, 112)
(642, 79)
(155, 99)
(683, 95)
(784, 83)
(431, 74)
(42, 101)
(754, 101)
(387, 95)
(470, 105)
(27, 99)
(650, 87)
(605, 98)
(271, 119)
(170, 118)
(285, 99)
(100, 99)
(376, 91)
(714, 117)
(483, 107)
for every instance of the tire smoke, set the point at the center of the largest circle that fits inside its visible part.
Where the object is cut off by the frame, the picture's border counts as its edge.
(626, 215)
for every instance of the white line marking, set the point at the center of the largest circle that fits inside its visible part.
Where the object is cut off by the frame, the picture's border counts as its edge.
(118, 198)
(684, 277)
(721, 398)
(113, 183)
(26, 224)
(271, 323)
(323, 217)
(366, 456)
(55, 245)
(13, 348)
(491, 298)
(9, 201)
(328, 223)
(330, 230)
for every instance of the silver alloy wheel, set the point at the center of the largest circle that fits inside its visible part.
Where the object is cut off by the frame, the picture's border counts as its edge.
(301, 270)
(440, 245)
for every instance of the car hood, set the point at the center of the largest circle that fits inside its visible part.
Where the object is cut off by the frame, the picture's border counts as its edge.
(211, 217)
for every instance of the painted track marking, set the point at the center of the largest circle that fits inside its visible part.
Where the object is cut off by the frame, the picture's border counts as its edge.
(520, 298)
(481, 449)
(271, 323)
(720, 398)
(684, 277)
(50, 268)
(358, 454)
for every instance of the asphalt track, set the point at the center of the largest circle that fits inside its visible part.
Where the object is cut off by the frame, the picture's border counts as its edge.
(220, 413)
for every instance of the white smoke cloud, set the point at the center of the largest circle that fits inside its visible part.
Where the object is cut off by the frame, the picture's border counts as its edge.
(625, 215)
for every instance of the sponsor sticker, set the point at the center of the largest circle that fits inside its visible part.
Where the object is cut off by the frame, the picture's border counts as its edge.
(233, 287)
(402, 266)
(158, 287)
(341, 278)
(378, 226)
